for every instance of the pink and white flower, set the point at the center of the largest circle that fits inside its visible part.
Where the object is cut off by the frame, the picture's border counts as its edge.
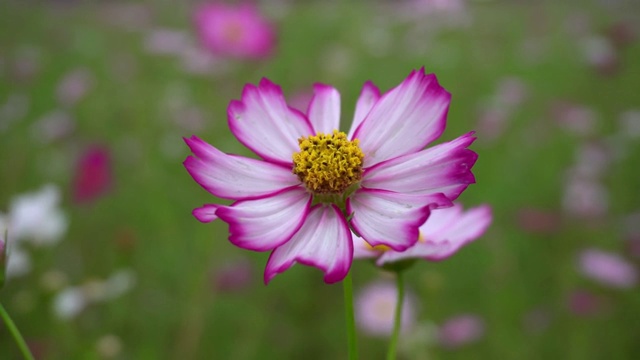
(441, 236)
(378, 179)
(238, 31)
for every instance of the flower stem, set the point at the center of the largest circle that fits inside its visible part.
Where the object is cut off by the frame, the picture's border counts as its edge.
(391, 354)
(348, 309)
(16, 334)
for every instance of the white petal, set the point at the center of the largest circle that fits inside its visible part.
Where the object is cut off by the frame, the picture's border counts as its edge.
(405, 119)
(266, 223)
(235, 177)
(444, 233)
(391, 219)
(445, 168)
(324, 241)
(324, 109)
(368, 97)
(264, 123)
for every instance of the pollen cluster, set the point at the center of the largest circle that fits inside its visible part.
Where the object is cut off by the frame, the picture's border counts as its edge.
(328, 163)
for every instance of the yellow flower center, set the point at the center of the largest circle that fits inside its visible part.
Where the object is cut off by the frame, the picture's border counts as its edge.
(380, 248)
(328, 163)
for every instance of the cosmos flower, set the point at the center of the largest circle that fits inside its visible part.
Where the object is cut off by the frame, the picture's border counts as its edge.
(461, 330)
(92, 175)
(441, 236)
(314, 181)
(375, 309)
(607, 268)
(238, 31)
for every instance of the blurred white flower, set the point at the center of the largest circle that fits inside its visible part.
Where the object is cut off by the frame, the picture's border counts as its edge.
(69, 303)
(19, 262)
(36, 217)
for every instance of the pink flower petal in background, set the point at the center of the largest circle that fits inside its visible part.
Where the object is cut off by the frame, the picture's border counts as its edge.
(584, 303)
(607, 268)
(375, 308)
(238, 31)
(461, 330)
(93, 176)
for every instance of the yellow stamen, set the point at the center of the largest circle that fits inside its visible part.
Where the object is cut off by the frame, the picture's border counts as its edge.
(328, 163)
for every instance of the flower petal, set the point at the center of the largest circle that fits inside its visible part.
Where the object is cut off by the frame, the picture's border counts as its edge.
(362, 249)
(324, 109)
(235, 177)
(368, 97)
(405, 119)
(324, 241)
(267, 223)
(387, 218)
(264, 123)
(444, 168)
(445, 232)
(206, 213)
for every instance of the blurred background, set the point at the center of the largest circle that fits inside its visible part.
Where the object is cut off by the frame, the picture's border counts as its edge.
(108, 263)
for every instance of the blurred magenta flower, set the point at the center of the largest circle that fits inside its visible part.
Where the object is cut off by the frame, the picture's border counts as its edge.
(461, 330)
(92, 175)
(442, 235)
(313, 179)
(607, 268)
(239, 31)
(375, 309)
(584, 303)
(3, 256)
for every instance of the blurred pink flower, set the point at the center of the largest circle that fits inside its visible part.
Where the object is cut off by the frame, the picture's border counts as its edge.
(584, 303)
(600, 54)
(576, 119)
(92, 175)
(52, 126)
(375, 309)
(74, 86)
(585, 198)
(607, 268)
(239, 31)
(442, 235)
(461, 330)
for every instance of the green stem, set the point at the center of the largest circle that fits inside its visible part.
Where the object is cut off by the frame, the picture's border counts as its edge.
(351, 324)
(397, 324)
(16, 334)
